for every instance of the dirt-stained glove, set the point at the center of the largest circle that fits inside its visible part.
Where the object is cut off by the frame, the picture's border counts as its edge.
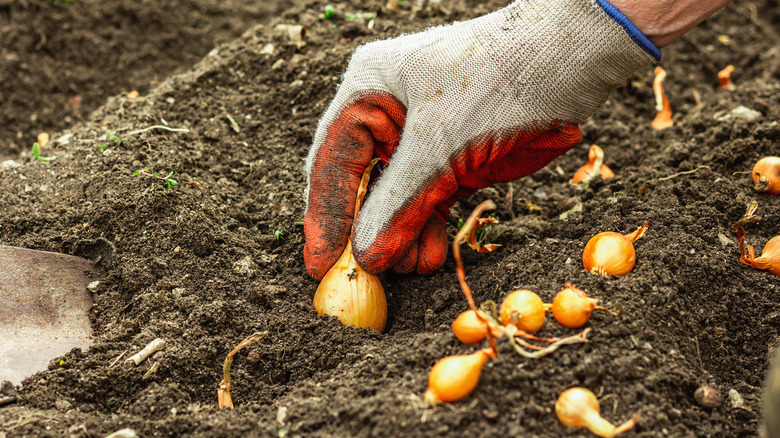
(451, 110)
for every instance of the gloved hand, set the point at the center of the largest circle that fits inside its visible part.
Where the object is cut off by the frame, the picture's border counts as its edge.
(451, 110)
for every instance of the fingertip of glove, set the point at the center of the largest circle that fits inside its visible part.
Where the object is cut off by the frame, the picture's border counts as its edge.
(432, 252)
(317, 265)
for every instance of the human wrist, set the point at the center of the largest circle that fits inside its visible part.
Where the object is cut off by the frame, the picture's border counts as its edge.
(665, 21)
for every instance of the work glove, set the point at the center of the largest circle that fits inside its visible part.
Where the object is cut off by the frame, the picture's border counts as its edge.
(451, 110)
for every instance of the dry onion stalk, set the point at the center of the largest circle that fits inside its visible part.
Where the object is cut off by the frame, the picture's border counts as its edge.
(223, 394)
(347, 291)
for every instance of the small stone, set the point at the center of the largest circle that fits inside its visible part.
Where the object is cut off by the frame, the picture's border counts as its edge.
(278, 64)
(736, 399)
(93, 287)
(9, 164)
(707, 396)
(281, 415)
(62, 405)
(267, 49)
(245, 267)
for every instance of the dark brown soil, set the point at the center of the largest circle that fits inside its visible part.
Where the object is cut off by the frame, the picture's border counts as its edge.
(692, 313)
(61, 59)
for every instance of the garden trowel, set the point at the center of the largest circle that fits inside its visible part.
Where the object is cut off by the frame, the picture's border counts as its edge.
(44, 305)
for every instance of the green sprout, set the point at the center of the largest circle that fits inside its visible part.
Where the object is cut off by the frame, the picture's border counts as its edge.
(482, 232)
(329, 12)
(169, 182)
(36, 151)
(278, 234)
(111, 135)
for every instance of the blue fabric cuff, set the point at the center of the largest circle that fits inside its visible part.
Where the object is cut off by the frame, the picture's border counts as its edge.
(630, 29)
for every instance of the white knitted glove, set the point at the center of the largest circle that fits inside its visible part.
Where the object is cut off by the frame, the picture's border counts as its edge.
(454, 109)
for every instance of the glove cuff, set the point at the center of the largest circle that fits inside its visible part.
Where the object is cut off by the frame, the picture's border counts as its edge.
(633, 32)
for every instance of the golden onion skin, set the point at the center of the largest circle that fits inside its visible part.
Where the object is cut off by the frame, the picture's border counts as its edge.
(469, 329)
(530, 308)
(609, 253)
(579, 407)
(351, 294)
(572, 308)
(455, 377)
(766, 175)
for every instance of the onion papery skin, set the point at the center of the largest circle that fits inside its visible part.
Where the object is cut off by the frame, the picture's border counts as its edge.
(579, 407)
(470, 329)
(769, 169)
(584, 171)
(609, 253)
(528, 305)
(572, 308)
(351, 294)
(770, 257)
(455, 377)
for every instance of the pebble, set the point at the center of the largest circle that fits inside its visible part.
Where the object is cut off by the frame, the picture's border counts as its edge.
(736, 399)
(245, 267)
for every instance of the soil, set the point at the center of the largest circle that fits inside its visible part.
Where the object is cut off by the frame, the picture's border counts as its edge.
(692, 314)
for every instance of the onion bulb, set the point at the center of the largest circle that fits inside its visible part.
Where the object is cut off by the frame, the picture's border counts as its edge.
(572, 307)
(347, 291)
(469, 328)
(594, 167)
(766, 175)
(770, 256)
(610, 253)
(455, 377)
(579, 407)
(523, 309)
(351, 294)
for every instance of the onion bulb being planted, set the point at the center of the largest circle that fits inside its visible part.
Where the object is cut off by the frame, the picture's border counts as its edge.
(469, 328)
(351, 294)
(766, 175)
(348, 292)
(572, 307)
(611, 253)
(579, 407)
(523, 309)
(455, 377)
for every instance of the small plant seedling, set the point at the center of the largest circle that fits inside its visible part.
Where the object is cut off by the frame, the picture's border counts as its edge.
(111, 135)
(329, 12)
(36, 151)
(278, 234)
(169, 182)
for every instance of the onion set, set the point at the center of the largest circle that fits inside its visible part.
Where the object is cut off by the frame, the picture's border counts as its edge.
(472, 327)
(523, 309)
(766, 175)
(663, 119)
(610, 253)
(572, 307)
(347, 291)
(455, 377)
(595, 166)
(579, 407)
(724, 78)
